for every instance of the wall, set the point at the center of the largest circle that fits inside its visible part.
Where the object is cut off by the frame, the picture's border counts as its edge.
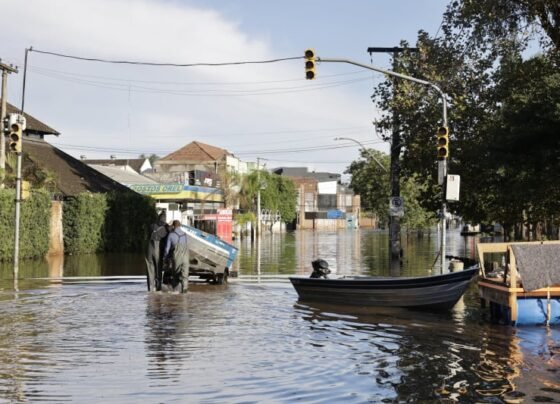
(56, 240)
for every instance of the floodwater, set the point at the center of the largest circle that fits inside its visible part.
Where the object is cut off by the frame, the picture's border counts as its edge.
(90, 341)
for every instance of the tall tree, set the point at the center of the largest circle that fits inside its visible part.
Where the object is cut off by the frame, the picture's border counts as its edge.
(495, 98)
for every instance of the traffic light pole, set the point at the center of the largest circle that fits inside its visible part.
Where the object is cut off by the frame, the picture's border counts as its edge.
(17, 217)
(444, 113)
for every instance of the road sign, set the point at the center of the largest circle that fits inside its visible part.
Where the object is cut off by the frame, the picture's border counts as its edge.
(396, 206)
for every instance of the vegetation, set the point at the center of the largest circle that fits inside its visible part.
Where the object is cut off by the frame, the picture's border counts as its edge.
(107, 222)
(504, 113)
(278, 194)
(83, 218)
(127, 222)
(371, 182)
(34, 224)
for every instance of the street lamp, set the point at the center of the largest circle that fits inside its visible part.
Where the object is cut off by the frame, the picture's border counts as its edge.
(363, 148)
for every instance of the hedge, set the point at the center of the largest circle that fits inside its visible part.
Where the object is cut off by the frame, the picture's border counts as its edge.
(34, 224)
(118, 221)
(128, 221)
(82, 222)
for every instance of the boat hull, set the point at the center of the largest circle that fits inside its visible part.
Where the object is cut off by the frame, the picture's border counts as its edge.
(439, 292)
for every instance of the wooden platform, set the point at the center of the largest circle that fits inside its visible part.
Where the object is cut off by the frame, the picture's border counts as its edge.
(502, 294)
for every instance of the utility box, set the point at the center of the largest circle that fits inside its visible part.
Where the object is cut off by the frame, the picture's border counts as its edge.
(452, 187)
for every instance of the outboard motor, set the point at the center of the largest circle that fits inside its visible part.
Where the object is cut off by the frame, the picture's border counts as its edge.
(320, 269)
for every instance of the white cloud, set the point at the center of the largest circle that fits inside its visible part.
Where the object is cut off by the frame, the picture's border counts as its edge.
(88, 113)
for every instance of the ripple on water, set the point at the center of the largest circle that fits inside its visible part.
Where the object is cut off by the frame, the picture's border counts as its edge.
(257, 343)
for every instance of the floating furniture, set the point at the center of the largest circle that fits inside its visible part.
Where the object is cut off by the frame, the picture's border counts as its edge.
(525, 288)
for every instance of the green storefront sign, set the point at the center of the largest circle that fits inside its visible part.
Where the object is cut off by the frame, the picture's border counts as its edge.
(148, 189)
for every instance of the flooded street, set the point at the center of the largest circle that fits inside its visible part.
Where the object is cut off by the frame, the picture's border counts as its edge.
(112, 342)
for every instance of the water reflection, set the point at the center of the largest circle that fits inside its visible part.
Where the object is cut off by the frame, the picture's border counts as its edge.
(254, 342)
(348, 252)
(167, 319)
(414, 356)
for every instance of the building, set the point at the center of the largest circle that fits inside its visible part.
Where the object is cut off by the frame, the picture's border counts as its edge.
(34, 128)
(44, 164)
(323, 202)
(197, 163)
(139, 165)
(192, 178)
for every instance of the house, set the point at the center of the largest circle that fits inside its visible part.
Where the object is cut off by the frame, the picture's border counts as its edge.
(34, 127)
(68, 175)
(47, 165)
(323, 202)
(196, 163)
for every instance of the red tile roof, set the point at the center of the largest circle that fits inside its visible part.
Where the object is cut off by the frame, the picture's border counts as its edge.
(197, 151)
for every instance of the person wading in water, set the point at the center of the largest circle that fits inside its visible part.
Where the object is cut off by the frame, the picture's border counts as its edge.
(176, 257)
(154, 256)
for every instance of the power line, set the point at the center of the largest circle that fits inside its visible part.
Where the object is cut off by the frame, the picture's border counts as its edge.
(303, 149)
(201, 92)
(164, 64)
(251, 152)
(45, 71)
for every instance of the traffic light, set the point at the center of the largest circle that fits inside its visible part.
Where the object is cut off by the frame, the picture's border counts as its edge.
(25, 189)
(310, 61)
(443, 143)
(15, 133)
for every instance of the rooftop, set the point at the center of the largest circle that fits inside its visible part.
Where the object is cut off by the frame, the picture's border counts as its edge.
(33, 125)
(71, 175)
(196, 151)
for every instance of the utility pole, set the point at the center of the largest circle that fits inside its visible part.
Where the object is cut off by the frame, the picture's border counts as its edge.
(395, 170)
(6, 69)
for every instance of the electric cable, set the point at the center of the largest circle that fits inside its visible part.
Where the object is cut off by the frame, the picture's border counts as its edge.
(163, 64)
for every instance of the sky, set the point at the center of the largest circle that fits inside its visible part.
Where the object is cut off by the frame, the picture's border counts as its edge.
(266, 110)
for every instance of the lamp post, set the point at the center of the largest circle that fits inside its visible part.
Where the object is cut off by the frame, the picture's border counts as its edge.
(364, 149)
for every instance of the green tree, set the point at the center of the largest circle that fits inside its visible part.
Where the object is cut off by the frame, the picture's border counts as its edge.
(502, 111)
(278, 194)
(371, 182)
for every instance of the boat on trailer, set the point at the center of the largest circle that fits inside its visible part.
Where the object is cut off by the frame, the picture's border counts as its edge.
(211, 258)
(435, 292)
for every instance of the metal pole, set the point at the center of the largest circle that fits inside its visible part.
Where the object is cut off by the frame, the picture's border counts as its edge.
(258, 228)
(444, 102)
(442, 220)
(18, 206)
